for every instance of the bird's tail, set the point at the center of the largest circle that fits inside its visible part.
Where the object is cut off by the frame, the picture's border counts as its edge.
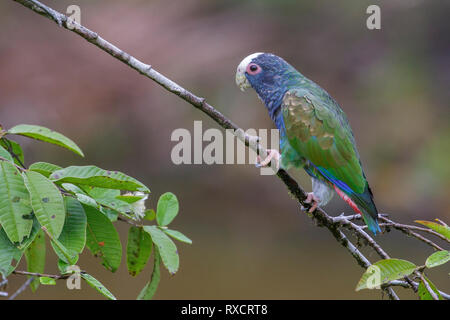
(363, 204)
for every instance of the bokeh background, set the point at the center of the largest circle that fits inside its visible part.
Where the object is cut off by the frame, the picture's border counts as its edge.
(249, 238)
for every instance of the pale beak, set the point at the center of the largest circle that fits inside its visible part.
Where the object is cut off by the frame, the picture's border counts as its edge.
(241, 80)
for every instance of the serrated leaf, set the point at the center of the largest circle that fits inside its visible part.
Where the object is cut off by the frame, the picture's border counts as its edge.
(15, 209)
(383, 271)
(178, 236)
(15, 148)
(44, 168)
(47, 281)
(102, 238)
(438, 258)
(167, 249)
(149, 290)
(46, 135)
(139, 249)
(35, 257)
(6, 155)
(423, 292)
(9, 255)
(167, 209)
(96, 177)
(94, 283)
(439, 228)
(46, 201)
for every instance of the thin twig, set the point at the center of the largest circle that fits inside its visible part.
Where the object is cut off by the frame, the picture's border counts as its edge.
(22, 288)
(427, 286)
(36, 274)
(319, 215)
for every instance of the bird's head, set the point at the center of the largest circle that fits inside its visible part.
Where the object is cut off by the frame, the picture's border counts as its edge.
(268, 74)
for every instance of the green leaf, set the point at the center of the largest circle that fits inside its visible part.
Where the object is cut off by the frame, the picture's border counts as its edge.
(73, 235)
(439, 228)
(62, 252)
(46, 135)
(167, 208)
(129, 199)
(150, 214)
(9, 255)
(94, 283)
(149, 290)
(15, 209)
(111, 214)
(34, 231)
(438, 258)
(107, 198)
(44, 168)
(139, 248)
(102, 238)
(35, 256)
(96, 177)
(15, 148)
(46, 201)
(423, 292)
(46, 281)
(178, 236)
(384, 271)
(6, 155)
(167, 249)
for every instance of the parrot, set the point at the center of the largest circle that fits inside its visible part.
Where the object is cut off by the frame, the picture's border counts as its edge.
(314, 134)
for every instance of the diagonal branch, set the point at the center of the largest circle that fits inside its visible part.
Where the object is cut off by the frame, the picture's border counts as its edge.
(319, 215)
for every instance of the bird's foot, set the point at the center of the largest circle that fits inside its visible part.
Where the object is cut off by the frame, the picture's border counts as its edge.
(272, 154)
(313, 200)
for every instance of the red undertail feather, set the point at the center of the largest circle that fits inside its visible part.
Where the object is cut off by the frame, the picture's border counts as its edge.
(347, 199)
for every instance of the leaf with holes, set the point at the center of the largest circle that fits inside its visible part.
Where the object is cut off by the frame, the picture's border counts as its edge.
(139, 249)
(35, 257)
(167, 249)
(438, 258)
(96, 177)
(94, 283)
(102, 238)
(44, 168)
(384, 271)
(46, 135)
(15, 209)
(46, 201)
(167, 208)
(150, 288)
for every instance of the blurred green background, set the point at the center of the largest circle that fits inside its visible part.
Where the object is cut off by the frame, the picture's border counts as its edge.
(250, 239)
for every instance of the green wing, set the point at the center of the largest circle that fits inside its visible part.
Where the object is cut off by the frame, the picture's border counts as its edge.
(318, 131)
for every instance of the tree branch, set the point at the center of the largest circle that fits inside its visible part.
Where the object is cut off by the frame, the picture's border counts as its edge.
(333, 224)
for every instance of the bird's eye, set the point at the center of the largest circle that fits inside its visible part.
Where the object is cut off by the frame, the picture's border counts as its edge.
(253, 69)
